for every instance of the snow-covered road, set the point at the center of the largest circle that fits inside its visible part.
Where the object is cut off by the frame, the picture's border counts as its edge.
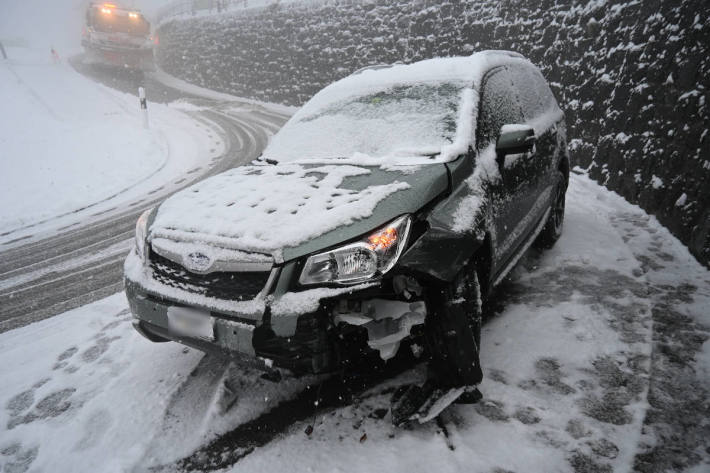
(596, 359)
(74, 148)
(71, 257)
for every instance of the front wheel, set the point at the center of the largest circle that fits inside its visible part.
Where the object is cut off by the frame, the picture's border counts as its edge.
(553, 227)
(453, 329)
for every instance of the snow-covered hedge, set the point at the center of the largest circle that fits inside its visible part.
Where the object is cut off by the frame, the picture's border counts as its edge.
(632, 77)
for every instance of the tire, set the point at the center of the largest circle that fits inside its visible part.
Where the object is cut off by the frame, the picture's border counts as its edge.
(453, 330)
(469, 288)
(552, 230)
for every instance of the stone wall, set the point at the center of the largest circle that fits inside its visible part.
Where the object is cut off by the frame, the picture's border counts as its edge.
(632, 77)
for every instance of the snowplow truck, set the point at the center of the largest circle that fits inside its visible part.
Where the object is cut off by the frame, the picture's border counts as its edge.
(118, 36)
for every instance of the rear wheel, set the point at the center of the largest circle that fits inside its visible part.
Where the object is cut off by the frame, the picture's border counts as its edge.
(553, 227)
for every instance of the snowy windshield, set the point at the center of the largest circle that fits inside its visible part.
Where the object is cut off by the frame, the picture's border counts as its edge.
(397, 121)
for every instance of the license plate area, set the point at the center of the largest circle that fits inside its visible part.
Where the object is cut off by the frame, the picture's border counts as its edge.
(190, 323)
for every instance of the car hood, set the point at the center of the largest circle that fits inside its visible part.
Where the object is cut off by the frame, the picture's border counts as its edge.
(290, 210)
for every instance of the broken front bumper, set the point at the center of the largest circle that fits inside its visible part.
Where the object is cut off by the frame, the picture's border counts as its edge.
(250, 341)
(305, 331)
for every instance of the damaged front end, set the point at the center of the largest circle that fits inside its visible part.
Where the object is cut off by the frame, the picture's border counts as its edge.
(346, 300)
(310, 331)
(332, 301)
(267, 314)
(365, 321)
(387, 322)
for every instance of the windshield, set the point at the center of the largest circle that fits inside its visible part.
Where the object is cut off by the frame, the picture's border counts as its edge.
(397, 121)
(118, 21)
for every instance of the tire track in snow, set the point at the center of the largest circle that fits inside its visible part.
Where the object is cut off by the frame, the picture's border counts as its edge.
(314, 401)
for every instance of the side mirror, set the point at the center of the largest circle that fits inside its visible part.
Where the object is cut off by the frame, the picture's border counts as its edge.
(515, 139)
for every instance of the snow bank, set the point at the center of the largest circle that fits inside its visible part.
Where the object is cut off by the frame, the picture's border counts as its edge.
(69, 144)
(65, 143)
(192, 89)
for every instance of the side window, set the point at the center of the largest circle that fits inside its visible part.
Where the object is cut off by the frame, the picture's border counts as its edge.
(499, 105)
(535, 95)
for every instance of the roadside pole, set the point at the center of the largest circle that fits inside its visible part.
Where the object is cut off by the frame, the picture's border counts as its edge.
(2, 50)
(144, 106)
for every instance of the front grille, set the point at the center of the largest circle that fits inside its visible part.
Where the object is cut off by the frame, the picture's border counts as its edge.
(221, 285)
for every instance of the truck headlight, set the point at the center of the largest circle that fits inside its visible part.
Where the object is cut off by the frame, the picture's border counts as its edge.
(359, 261)
(142, 234)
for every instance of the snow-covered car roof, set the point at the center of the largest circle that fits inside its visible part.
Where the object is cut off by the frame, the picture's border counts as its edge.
(469, 69)
(400, 114)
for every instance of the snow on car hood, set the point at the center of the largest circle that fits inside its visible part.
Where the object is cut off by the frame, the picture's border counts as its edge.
(289, 210)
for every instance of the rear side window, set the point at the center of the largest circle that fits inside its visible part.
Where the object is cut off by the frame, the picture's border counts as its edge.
(499, 105)
(535, 95)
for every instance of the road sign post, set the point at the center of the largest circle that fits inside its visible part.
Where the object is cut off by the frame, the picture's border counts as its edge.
(144, 106)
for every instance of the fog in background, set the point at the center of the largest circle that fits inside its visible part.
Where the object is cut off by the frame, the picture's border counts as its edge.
(53, 23)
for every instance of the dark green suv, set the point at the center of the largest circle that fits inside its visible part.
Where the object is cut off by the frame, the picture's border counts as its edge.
(396, 196)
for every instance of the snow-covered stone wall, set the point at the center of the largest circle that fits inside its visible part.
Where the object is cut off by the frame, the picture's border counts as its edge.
(632, 77)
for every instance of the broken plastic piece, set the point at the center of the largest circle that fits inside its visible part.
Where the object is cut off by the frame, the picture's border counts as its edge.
(387, 322)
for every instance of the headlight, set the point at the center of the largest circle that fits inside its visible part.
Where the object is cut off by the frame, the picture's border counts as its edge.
(360, 261)
(142, 234)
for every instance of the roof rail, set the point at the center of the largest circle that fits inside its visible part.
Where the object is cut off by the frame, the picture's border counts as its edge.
(373, 67)
(501, 52)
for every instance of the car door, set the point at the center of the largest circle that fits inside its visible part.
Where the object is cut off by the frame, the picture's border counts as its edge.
(510, 203)
(540, 168)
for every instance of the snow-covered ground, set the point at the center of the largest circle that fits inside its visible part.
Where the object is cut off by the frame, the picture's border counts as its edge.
(588, 342)
(83, 144)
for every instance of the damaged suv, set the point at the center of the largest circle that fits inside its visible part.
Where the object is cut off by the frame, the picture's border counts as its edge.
(390, 197)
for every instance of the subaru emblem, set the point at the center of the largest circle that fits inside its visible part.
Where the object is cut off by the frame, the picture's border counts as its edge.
(198, 261)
